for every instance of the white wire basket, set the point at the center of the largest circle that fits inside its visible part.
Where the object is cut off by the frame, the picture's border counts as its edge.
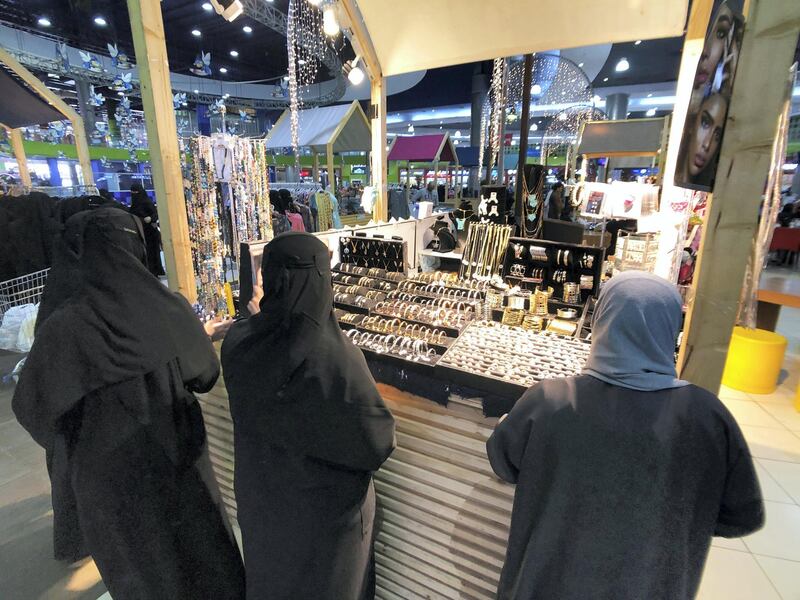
(22, 290)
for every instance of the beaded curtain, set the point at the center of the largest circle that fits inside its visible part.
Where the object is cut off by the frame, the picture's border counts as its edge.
(252, 214)
(202, 209)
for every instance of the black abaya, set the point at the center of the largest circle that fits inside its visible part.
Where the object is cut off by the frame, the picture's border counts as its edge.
(144, 208)
(107, 390)
(309, 430)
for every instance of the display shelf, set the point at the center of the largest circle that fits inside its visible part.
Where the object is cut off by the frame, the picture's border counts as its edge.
(454, 255)
(439, 346)
(449, 330)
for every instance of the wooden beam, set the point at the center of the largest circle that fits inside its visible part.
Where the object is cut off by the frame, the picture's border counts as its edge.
(379, 164)
(17, 146)
(81, 143)
(331, 167)
(147, 27)
(315, 169)
(759, 93)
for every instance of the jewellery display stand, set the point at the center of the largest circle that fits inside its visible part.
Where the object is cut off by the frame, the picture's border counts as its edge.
(374, 253)
(542, 264)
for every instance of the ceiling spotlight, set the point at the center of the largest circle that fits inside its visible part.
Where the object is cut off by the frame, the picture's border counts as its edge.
(225, 96)
(207, 6)
(356, 74)
(580, 65)
(605, 79)
(329, 24)
(457, 133)
(196, 91)
(229, 9)
(44, 22)
(534, 127)
(651, 112)
(455, 143)
(649, 95)
(247, 29)
(100, 22)
(234, 53)
(196, 32)
(536, 89)
(622, 65)
(410, 128)
(637, 42)
(596, 99)
(223, 70)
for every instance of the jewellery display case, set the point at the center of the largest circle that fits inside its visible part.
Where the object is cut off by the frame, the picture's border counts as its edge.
(372, 252)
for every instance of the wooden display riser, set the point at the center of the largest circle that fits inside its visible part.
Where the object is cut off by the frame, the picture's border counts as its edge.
(443, 516)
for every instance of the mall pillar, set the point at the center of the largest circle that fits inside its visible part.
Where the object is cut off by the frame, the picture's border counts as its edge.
(617, 107)
(85, 107)
(760, 91)
(147, 27)
(55, 174)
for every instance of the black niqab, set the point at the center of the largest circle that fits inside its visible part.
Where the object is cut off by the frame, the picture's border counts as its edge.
(107, 319)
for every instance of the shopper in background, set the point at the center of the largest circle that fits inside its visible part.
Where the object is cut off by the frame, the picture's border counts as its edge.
(623, 473)
(143, 207)
(310, 428)
(426, 194)
(555, 201)
(107, 390)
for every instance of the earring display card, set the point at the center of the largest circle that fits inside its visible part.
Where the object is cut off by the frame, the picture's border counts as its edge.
(539, 264)
(373, 253)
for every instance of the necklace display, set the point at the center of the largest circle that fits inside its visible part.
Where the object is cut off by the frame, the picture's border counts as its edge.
(484, 251)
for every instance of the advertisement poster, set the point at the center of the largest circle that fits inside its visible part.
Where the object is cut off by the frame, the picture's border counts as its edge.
(711, 93)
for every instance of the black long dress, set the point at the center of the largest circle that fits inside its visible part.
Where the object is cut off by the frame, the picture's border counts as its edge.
(309, 430)
(144, 208)
(107, 390)
(619, 491)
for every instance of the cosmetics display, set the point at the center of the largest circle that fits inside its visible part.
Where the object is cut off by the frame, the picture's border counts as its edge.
(376, 253)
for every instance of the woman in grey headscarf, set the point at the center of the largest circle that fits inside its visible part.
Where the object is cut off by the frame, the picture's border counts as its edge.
(625, 472)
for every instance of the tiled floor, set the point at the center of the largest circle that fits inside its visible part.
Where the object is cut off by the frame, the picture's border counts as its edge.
(763, 566)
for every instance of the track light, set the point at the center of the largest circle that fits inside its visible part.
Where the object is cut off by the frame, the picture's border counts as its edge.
(329, 23)
(229, 9)
(622, 65)
(356, 74)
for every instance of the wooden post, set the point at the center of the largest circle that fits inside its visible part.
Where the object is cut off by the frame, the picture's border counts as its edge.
(81, 144)
(331, 167)
(759, 93)
(379, 163)
(527, 76)
(15, 138)
(315, 169)
(147, 27)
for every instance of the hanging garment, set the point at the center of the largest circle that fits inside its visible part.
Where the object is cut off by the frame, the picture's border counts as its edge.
(296, 221)
(144, 208)
(398, 207)
(324, 211)
(309, 429)
(107, 390)
(308, 219)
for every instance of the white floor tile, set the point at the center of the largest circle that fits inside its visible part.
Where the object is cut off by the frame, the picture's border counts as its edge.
(732, 575)
(732, 394)
(729, 544)
(774, 444)
(783, 395)
(781, 533)
(770, 490)
(786, 474)
(785, 413)
(784, 575)
(748, 412)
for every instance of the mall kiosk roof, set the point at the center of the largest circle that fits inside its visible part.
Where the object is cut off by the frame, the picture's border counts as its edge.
(344, 127)
(437, 147)
(635, 137)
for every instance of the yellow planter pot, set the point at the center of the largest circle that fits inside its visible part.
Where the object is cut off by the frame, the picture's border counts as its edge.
(754, 360)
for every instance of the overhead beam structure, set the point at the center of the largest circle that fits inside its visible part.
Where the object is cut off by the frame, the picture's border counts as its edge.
(147, 27)
(759, 93)
(81, 143)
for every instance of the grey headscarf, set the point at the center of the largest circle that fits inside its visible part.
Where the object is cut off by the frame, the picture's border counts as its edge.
(634, 329)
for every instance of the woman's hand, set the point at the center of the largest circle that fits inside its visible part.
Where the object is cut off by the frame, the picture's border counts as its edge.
(253, 305)
(216, 328)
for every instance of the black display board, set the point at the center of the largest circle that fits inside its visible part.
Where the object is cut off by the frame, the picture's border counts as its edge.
(374, 253)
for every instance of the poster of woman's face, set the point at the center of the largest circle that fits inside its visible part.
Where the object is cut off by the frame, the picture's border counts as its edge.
(711, 94)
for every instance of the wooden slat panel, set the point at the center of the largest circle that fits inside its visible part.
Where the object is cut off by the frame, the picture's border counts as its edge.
(443, 514)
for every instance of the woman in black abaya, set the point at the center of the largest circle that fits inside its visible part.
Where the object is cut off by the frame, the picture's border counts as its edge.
(309, 430)
(107, 390)
(145, 209)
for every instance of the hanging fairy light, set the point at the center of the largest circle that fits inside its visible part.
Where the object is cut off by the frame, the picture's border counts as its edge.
(497, 96)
